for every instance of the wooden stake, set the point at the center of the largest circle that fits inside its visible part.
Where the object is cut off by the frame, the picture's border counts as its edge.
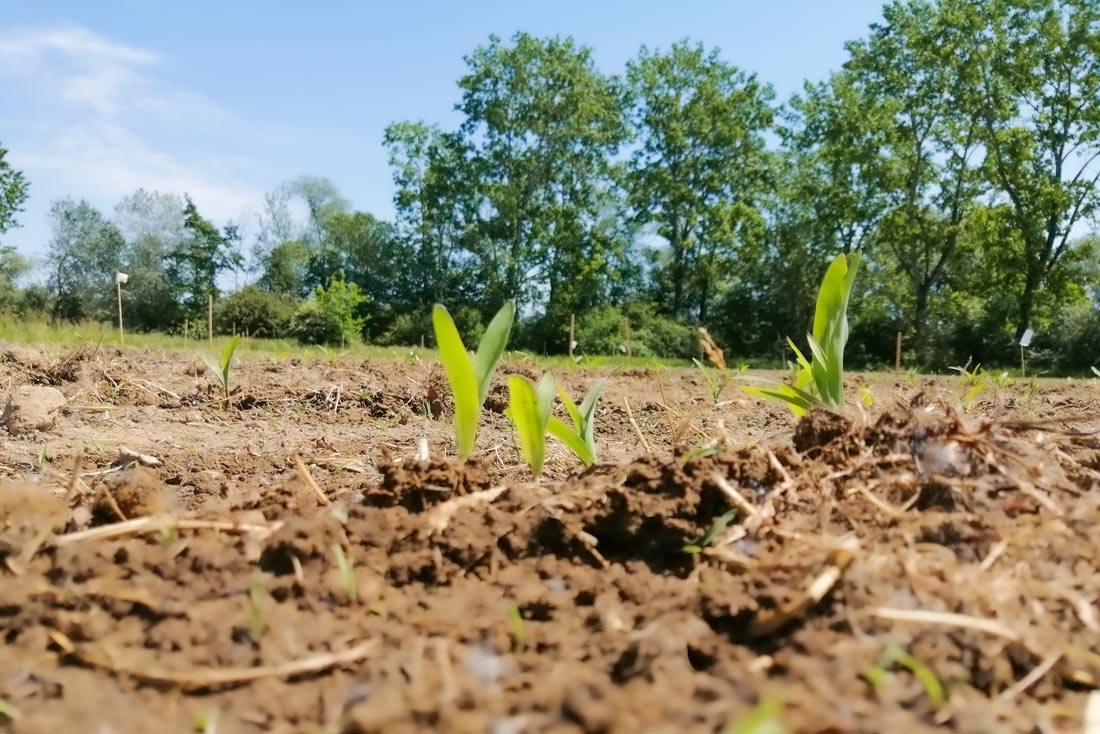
(572, 330)
(897, 355)
(629, 349)
(210, 320)
(118, 287)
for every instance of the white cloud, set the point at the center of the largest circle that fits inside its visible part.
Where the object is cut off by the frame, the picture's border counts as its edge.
(105, 123)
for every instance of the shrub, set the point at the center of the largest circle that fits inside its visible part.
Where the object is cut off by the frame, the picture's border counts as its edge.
(312, 324)
(603, 331)
(253, 311)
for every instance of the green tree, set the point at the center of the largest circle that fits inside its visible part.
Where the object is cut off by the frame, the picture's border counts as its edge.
(541, 125)
(932, 151)
(700, 167)
(1038, 98)
(432, 208)
(195, 262)
(13, 193)
(84, 255)
(151, 223)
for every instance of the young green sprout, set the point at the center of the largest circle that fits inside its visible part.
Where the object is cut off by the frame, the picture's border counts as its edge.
(220, 370)
(821, 382)
(529, 407)
(470, 376)
(580, 438)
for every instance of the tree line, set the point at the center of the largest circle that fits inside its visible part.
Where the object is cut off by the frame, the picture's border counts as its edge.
(958, 148)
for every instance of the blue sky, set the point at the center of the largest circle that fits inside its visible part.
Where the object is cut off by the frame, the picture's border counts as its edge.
(226, 100)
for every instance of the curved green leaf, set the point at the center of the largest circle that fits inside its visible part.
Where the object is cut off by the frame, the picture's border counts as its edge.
(526, 414)
(460, 373)
(491, 348)
(572, 440)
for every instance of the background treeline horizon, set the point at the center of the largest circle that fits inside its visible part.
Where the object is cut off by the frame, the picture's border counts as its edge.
(958, 148)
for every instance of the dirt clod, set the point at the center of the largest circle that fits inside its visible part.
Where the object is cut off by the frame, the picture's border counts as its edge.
(31, 408)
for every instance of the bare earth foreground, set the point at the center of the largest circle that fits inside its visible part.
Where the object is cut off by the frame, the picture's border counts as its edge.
(903, 568)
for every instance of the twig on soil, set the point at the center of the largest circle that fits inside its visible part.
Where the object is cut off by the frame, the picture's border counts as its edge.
(948, 619)
(308, 479)
(112, 503)
(440, 517)
(634, 425)
(994, 553)
(771, 620)
(155, 523)
(881, 504)
(1032, 677)
(200, 678)
(736, 497)
(74, 477)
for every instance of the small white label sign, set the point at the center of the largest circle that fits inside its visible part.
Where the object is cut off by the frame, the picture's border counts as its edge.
(1025, 340)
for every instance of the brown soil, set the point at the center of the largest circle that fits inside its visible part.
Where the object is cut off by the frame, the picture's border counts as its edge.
(872, 558)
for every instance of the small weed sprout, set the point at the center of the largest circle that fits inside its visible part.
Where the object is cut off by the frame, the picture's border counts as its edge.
(762, 719)
(470, 376)
(529, 407)
(821, 382)
(220, 369)
(347, 573)
(721, 377)
(895, 655)
(580, 438)
(716, 528)
(517, 628)
(258, 601)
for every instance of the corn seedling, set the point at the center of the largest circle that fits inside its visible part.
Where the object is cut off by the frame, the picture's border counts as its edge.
(716, 528)
(894, 655)
(220, 370)
(347, 573)
(821, 382)
(518, 629)
(762, 719)
(529, 409)
(580, 438)
(258, 601)
(470, 376)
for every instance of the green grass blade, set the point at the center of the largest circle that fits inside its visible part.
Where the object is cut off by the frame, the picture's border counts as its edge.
(588, 405)
(491, 348)
(526, 413)
(460, 373)
(572, 440)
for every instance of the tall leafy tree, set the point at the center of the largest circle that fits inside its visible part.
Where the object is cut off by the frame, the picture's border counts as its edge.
(931, 149)
(700, 166)
(196, 261)
(1038, 96)
(541, 125)
(84, 255)
(13, 193)
(433, 210)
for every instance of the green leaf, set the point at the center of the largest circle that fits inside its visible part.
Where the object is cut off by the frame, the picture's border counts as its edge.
(526, 414)
(546, 389)
(799, 401)
(570, 407)
(716, 528)
(460, 373)
(763, 719)
(491, 348)
(227, 354)
(215, 368)
(571, 439)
